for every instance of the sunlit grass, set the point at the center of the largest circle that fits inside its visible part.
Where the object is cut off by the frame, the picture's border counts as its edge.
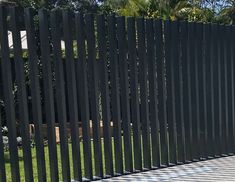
(34, 161)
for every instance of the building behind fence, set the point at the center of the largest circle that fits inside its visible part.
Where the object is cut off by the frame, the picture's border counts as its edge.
(160, 92)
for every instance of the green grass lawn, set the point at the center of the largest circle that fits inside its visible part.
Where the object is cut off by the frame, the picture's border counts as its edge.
(34, 162)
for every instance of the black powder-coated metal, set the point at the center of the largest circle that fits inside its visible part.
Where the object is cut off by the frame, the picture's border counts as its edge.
(105, 93)
(205, 58)
(48, 93)
(82, 80)
(72, 93)
(144, 106)
(22, 95)
(93, 86)
(162, 92)
(55, 18)
(2, 158)
(135, 95)
(115, 95)
(124, 93)
(180, 98)
(153, 102)
(35, 93)
(170, 55)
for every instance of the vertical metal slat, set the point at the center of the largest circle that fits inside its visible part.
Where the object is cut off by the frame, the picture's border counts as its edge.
(135, 108)
(48, 92)
(35, 92)
(72, 93)
(161, 75)
(20, 81)
(105, 94)
(170, 50)
(181, 98)
(60, 94)
(154, 122)
(124, 89)
(115, 97)
(83, 94)
(93, 80)
(144, 107)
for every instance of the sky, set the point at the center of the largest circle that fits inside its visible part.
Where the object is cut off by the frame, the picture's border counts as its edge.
(218, 4)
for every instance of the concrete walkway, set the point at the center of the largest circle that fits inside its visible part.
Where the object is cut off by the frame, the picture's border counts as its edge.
(221, 169)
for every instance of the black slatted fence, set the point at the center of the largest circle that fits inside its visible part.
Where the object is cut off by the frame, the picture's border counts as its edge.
(114, 95)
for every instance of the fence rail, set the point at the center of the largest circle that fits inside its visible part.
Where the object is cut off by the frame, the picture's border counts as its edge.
(157, 92)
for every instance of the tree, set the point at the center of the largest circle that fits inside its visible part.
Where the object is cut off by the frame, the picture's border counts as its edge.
(76, 5)
(222, 11)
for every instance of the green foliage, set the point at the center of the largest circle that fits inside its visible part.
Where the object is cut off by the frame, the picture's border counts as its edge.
(222, 11)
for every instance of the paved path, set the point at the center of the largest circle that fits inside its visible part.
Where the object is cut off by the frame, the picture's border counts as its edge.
(221, 169)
